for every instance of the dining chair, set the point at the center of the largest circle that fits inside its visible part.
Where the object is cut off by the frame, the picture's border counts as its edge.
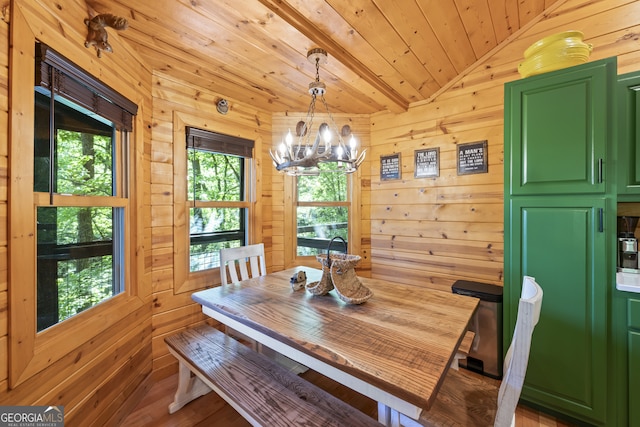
(233, 269)
(245, 262)
(235, 260)
(470, 399)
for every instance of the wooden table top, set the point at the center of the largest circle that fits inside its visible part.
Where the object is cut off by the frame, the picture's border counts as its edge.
(402, 340)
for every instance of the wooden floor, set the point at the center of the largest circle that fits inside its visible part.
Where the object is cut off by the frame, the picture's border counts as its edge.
(210, 410)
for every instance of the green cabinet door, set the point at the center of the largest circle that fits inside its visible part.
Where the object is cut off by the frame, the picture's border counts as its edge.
(634, 362)
(628, 163)
(634, 378)
(561, 242)
(557, 130)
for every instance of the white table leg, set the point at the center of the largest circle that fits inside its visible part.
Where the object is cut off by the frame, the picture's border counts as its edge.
(392, 418)
(408, 422)
(387, 416)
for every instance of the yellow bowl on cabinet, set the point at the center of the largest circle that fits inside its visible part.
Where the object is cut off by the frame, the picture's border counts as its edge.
(555, 52)
(570, 36)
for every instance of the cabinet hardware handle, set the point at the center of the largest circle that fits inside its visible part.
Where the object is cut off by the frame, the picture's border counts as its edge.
(600, 171)
(600, 220)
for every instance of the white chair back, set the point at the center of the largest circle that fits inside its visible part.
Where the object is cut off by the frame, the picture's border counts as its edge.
(234, 260)
(517, 358)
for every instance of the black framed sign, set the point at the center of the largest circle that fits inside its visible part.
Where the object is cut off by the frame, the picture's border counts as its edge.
(472, 158)
(427, 163)
(390, 167)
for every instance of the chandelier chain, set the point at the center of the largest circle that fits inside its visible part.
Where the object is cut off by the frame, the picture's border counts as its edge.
(310, 115)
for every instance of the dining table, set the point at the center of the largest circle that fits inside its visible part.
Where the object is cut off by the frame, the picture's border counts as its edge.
(395, 348)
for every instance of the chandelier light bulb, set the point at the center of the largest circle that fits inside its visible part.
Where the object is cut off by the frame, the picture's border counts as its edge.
(327, 136)
(340, 151)
(289, 138)
(353, 144)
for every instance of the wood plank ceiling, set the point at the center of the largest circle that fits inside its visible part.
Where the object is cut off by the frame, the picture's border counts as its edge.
(383, 54)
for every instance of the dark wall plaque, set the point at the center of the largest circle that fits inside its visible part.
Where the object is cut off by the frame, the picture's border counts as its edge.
(427, 163)
(390, 167)
(472, 158)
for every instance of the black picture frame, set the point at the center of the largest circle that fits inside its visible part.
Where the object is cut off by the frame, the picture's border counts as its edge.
(427, 163)
(473, 158)
(390, 167)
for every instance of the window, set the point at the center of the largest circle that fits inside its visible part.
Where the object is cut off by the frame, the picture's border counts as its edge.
(73, 211)
(322, 210)
(217, 167)
(80, 181)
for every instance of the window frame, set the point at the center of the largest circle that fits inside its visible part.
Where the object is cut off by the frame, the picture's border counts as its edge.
(184, 279)
(199, 140)
(291, 221)
(113, 199)
(30, 351)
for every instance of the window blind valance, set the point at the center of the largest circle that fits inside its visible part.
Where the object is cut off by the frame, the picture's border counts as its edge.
(61, 76)
(199, 139)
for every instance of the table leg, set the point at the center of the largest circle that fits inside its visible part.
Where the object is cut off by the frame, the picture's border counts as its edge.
(392, 418)
(387, 416)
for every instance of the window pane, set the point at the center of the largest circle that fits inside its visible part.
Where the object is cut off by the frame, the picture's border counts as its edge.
(318, 225)
(212, 229)
(75, 264)
(326, 187)
(82, 154)
(214, 176)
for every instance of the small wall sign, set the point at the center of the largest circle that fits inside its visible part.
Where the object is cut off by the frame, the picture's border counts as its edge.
(427, 163)
(390, 167)
(472, 158)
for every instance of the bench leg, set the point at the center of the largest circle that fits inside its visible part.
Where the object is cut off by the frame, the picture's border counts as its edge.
(189, 387)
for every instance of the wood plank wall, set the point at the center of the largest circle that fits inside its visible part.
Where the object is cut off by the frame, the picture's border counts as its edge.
(433, 231)
(425, 231)
(95, 379)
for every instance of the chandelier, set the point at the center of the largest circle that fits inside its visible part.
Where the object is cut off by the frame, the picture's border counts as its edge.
(303, 156)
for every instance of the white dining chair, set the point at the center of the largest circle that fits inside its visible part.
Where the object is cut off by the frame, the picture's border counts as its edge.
(245, 262)
(235, 260)
(237, 264)
(470, 399)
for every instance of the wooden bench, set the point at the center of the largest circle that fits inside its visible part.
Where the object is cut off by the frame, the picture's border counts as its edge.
(261, 390)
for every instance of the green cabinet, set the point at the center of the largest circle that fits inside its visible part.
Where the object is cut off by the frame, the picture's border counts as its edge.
(633, 353)
(634, 378)
(628, 188)
(628, 165)
(557, 131)
(559, 223)
(559, 242)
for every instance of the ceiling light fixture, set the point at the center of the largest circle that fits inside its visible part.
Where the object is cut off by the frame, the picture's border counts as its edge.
(303, 156)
